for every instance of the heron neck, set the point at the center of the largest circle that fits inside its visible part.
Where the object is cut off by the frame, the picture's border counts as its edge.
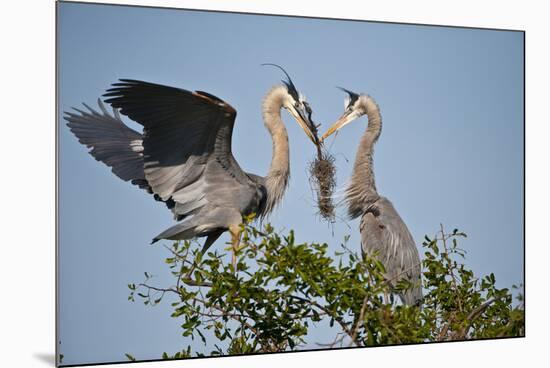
(279, 169)
(362, 192)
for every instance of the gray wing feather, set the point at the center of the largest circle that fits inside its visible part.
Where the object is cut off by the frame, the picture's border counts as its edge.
(383, 231)
(187, 147)
(110, 141)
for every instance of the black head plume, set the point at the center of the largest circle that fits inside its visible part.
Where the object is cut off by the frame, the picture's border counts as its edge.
(289, 85)
(352, 96)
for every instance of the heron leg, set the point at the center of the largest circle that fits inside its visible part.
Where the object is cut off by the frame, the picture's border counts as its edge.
(386, 297)
(235, 231)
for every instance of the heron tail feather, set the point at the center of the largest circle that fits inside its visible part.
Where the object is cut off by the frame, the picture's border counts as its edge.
(181, 231)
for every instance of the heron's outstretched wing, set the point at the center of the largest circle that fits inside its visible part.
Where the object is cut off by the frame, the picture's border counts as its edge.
(187, 144)
(110, 141)
(383, 231)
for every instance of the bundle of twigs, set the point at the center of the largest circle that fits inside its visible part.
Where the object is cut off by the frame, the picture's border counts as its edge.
(322, 174)
(322, 177)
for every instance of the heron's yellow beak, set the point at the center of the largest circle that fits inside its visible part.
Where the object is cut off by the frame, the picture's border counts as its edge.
(306, 124)
(345, 119)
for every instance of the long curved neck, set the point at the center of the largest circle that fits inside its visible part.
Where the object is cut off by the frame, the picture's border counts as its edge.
(361, 193)
(279, 170)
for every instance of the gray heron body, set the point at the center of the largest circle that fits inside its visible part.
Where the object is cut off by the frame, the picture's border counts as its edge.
(382, 230)
(184, 155)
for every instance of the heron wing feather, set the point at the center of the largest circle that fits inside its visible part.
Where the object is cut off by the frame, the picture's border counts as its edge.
(383, 231)
(110, 141)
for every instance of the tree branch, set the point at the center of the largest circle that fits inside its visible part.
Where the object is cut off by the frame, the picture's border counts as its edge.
(450, 269)
(360, 321)
(328, 312)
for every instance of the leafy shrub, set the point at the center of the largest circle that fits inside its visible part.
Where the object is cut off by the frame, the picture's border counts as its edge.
(281, 290)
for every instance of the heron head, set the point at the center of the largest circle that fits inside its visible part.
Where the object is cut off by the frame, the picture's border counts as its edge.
(295, 103)
(354, 107)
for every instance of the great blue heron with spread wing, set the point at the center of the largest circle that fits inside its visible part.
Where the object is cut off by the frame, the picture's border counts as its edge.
(184, 155)
(382, 229)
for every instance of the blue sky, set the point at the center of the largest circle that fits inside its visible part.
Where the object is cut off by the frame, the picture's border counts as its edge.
(451, 149)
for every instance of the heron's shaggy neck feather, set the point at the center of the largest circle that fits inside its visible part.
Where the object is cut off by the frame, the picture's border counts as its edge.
(279, 170)
(361, 192)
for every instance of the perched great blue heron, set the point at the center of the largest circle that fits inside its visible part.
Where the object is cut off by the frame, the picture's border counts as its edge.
(382, 229)
(184, 156)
